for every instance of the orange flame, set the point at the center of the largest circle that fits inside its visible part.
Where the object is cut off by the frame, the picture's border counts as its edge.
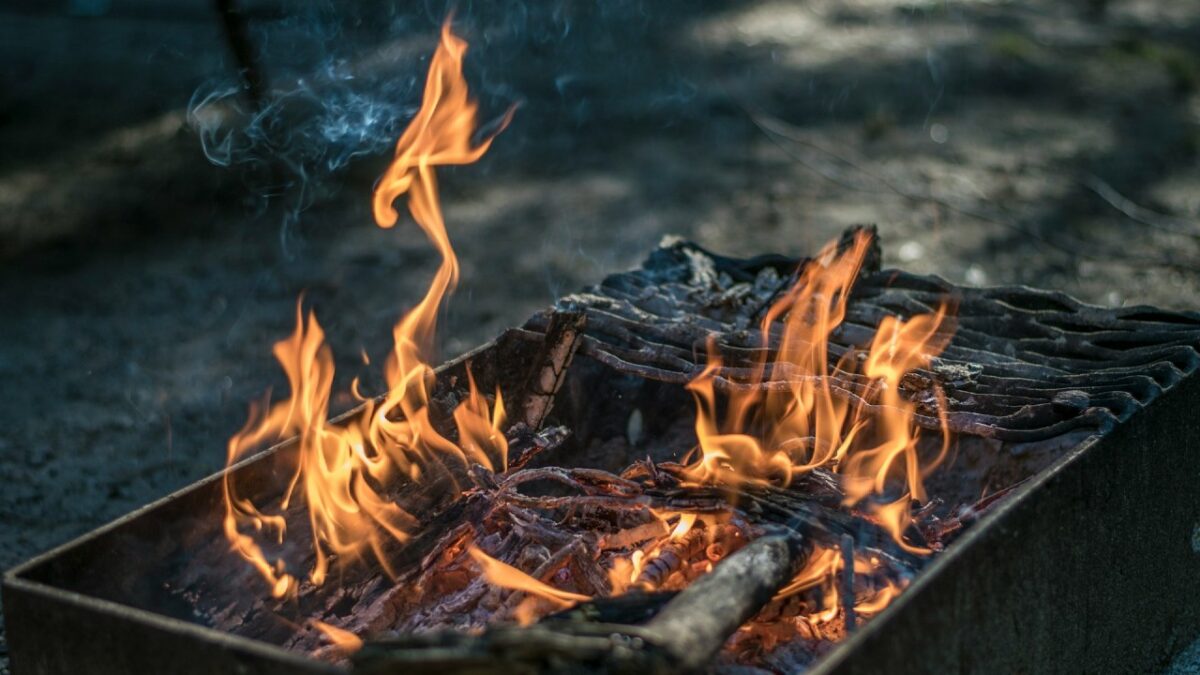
(823, 568)
(820, 566)
(501, 574)
(879, 600)
(341, 638)
(439, 135)
(344, 470)
(800, 419)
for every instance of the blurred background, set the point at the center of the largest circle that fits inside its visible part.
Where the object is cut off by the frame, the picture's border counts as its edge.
(174, 173)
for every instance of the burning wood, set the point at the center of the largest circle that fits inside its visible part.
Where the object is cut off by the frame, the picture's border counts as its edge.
(682, 636)
(826, 396)
(822, 443)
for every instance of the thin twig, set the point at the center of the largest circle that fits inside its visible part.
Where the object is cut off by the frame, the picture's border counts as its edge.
(846, 582)
(1137, 213)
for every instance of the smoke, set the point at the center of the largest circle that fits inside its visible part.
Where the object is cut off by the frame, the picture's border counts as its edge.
(314, 128)
(336, 91)
(311, 130)
(342, 80)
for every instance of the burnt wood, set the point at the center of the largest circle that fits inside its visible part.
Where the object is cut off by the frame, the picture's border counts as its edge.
(1023, 365)
(682, 637)
(1048, 575)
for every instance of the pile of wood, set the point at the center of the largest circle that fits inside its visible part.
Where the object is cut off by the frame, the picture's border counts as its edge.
(572, 529)
(594, 503)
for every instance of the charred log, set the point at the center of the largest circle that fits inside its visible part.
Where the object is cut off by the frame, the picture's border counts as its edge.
(1015, 352)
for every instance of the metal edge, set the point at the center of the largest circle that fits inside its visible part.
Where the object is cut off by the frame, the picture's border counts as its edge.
(829, 664)
(14, 580)
(166, 623)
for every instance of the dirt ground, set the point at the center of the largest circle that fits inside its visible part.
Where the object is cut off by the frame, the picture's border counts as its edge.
(141, 287)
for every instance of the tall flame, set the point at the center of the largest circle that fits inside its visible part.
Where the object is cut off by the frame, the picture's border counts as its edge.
(344, 470)
(789, 415)
(439, 135)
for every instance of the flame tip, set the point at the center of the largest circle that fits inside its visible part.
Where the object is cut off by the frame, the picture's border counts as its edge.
(338, 466)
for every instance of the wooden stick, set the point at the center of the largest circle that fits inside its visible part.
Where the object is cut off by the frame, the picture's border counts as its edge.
(846, 585)
(682, 638)
(236, 34)
(550, 369)
(693, 627)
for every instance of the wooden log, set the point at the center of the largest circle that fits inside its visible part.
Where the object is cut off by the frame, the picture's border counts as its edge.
(693, 627)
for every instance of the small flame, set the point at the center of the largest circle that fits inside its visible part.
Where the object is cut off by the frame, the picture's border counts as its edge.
(895, 518)
(342, 639)
(623, 572)
(504, 575)
(879, 600)
(821, 566)
(686, 521)
(344, 470)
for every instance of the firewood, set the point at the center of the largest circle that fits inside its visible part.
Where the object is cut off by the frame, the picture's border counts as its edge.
(846, 582)
(550, 368)
(681, 638)
(693, 626)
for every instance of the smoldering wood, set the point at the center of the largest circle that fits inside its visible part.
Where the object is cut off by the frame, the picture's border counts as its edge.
(846, 581)
(812, 502)
(564, 527)
(670, 558)
(613, 495)
(526, 444)
(682, 637)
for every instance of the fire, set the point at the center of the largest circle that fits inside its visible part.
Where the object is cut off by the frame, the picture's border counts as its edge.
(822, 570)
(344, 471)
(788, 412)
(342, 639)
(880, 600)
(789, 417)
(503, 575)
(819, 568)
